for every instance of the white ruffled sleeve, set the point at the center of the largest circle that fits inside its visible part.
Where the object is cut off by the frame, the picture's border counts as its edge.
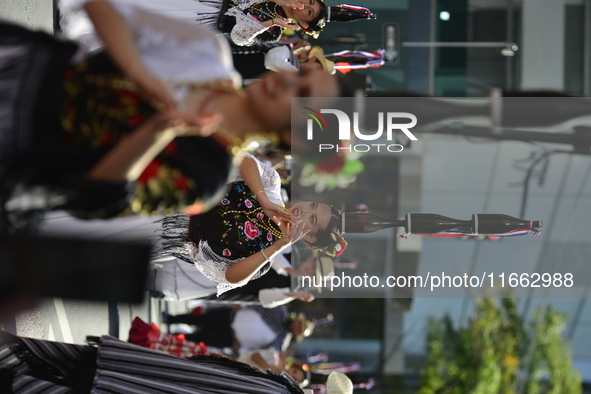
(176, 51)
(270, 179)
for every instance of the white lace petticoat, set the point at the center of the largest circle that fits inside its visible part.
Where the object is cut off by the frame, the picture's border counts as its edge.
(213, 266)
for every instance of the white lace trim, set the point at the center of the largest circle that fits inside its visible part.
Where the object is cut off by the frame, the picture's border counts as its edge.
(246, 28)
(244, 4)
(213, 266)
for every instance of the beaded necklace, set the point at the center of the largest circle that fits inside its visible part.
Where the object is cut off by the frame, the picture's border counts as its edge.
(263, 8)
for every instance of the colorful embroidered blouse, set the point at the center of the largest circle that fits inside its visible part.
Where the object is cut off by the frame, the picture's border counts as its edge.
(234, 230)
(248, 29)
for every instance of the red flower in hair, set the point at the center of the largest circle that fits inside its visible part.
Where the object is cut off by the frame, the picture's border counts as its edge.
(338, 247)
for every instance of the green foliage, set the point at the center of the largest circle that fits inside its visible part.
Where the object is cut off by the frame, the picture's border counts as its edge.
(490, 354)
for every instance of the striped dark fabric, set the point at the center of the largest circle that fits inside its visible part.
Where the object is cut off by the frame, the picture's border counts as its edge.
(34, 366)
(232, 298)
(31, 366)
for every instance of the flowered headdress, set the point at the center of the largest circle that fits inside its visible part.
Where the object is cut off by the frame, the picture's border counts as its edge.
(338, 244)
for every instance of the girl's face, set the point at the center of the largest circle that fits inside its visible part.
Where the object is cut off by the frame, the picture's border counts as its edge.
(315, 216)
(307, 14)
(269, 99)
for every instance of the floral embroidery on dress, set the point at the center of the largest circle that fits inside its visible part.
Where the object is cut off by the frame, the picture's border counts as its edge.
(251, 231)
(247, 226)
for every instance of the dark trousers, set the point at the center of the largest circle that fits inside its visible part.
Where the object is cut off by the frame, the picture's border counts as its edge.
(214, 327)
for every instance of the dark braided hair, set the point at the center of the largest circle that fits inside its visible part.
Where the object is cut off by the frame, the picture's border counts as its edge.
(316, 25)
(324, 238)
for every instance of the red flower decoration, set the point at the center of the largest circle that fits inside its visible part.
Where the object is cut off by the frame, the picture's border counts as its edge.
(260, 216)
(269, 237)
(341, 246)
(251, 231)
(202, 348)
(248, 203)
(150, 172)
(226, 252)
(171, 148)
(69, 74)
(135, 119)
(107, 138)
(331, 164)
(181, 182)
(128, 97)
(197, 311)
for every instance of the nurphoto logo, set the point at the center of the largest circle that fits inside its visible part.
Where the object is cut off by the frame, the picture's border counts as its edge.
(344, 133)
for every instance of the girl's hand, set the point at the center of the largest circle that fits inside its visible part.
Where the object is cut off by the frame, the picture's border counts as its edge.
(297, 44)
(273, 210)
(154, 89)
(285, 24)
(301, 295)
(293, 232)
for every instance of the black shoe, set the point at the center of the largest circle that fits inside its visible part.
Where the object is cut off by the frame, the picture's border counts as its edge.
(156, 294)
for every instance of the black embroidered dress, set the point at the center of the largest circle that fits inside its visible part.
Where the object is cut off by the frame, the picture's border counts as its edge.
(213, 241)
(59, 120)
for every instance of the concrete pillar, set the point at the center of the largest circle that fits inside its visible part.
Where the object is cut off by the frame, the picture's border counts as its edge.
(33, 14)
(542, 44)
